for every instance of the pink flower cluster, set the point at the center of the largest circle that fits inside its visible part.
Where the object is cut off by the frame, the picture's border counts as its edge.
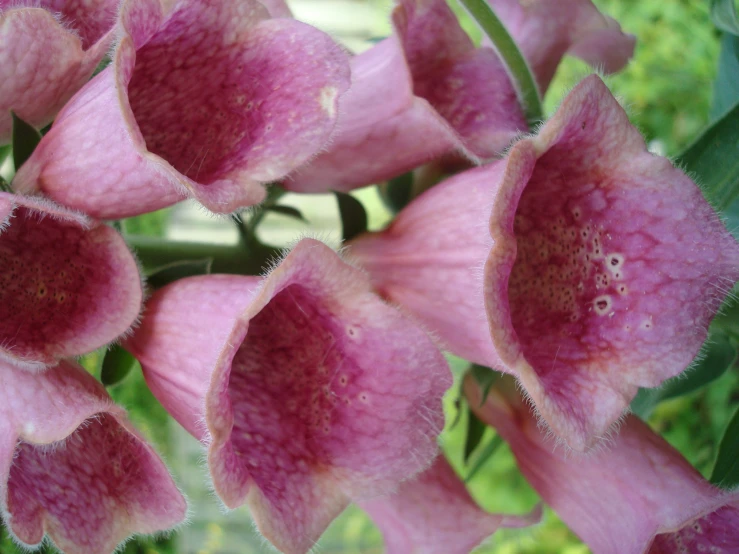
(572, 259)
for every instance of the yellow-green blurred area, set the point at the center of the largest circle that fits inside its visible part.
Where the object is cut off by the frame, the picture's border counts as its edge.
(667, 89)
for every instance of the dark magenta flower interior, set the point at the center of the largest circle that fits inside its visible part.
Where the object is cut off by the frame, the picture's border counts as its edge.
(620, 265)
(90, 19)
(217, 91)
(89, 490)
(714, 533)
(64, 289)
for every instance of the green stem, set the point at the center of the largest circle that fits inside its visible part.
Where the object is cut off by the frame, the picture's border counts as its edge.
(154, 252)
(523, 79)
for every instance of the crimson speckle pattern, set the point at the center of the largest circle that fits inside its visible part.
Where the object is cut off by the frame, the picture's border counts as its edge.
(715, 533)
(55, 274)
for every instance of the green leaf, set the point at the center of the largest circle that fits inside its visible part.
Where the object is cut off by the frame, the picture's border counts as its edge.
(723, 14)
(726, 469)
(713, 159)
(475, 431)
(171, 272)
(485, 454)
(117, 364)
(726, 85)
(485, 377)
(396, 193)
(353, 215)
(25, 140)
(288, 211)
(719, 357)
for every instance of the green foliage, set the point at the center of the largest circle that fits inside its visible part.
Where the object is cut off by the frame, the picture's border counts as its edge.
(475, 431)
(289, 211)
(667, 86)
(723, 15)
(712, 160)
(153, 224)
(117, 364)
(353, 215)
(171, 272)
(25, 140)
(726, 471)
(726, 87)
(719, 355)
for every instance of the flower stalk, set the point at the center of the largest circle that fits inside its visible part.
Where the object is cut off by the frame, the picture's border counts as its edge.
(523, 78)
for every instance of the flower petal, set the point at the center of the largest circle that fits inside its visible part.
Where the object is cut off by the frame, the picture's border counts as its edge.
(427, 80)
(380, 120)
(434, 514)
(313, 392)
(67, 285)
(637, 495)
(605, 265)
(430, 259)
(80, 473)
(204, 101)
(620, 266)
(45, 60)
(546, 30)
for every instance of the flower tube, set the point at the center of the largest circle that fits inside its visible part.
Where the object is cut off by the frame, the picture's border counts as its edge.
(637, 495)
(434, 514)
(580, 263)
(68, 285)
(73, 468)
(428, 91)
(307, 389)
(207, 99)
(48, 50)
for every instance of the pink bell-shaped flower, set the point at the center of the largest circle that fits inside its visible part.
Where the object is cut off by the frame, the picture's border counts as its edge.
(48, 50)
(636, 495)
(428, 91)
(206, 99)
(580, 263)
(73, 468)
(307, 389)
(547, 30)
(434, 514)
(68, 285)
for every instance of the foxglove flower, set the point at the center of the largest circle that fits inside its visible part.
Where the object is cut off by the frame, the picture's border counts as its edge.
(428, 91)
(48, 50)
(547, 30)
(580, 263)
(208, 99)
(308, 390)
(72, 466)
(637, 495)
(434, 514)
(67, 285)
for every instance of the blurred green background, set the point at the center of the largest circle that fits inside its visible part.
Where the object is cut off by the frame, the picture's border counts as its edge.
(667, 89)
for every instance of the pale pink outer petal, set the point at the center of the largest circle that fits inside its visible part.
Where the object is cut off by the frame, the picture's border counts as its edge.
(617, 265)
(45, 60)
(68, 285)
(205, 102)
(434, 514)
(469, 87)
(309, 391)
(605, 265)
(430, 259)
(636, 495)
(546, 30)
(277, 8)
(379, 127)
(424, 92)
(74, 468)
